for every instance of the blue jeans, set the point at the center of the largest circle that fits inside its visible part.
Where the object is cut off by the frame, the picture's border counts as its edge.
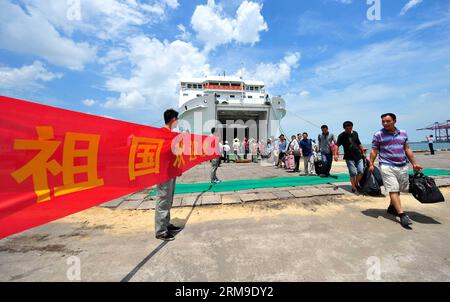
(355, 168)
(327, 161)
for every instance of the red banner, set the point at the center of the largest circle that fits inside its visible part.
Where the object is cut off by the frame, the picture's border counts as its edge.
(56, 162)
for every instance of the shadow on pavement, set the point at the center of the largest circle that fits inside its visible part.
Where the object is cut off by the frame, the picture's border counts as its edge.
(348, 188)
(183, 223)
(415, 216)
(143, 262)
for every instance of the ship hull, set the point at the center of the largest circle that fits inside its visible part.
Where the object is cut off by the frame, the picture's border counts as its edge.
(234, 120)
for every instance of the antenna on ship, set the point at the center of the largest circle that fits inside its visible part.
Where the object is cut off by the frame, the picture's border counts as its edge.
(242, 82)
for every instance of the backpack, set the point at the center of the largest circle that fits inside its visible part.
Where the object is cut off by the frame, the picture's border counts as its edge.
(424, 189)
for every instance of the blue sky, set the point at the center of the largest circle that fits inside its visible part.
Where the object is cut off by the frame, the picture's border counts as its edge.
(122, 58)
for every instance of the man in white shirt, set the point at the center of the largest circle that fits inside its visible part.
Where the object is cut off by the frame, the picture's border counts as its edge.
(430, 140)
(226, 152)
(236, 148)
(295, 149)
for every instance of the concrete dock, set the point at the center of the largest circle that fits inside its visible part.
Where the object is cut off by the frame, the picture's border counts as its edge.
(295, 234)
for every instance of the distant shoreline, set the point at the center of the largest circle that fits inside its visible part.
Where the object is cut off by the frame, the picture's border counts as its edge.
(411, 143)
(423, 146)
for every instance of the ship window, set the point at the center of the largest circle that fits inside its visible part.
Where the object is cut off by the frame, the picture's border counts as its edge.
(189, 85)
(218, 95)
(250, 97)
(251, 88)
(261, 96)
(199, 95)
(232, 96)
(185, 94)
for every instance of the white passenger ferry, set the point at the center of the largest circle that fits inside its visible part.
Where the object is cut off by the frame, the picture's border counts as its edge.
(241, 108)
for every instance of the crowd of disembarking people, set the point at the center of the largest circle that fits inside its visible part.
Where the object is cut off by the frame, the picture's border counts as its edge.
(284, 153)
(389, 144)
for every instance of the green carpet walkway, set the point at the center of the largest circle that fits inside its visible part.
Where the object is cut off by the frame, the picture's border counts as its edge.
(249, 184)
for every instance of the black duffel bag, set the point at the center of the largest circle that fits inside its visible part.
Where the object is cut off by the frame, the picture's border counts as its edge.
(371, 182)
(424, 189)
(318, 166)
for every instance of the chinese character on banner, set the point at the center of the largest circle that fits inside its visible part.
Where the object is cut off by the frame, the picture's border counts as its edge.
(195, 146)
(37, 167)
(144, 156)
(179, 161)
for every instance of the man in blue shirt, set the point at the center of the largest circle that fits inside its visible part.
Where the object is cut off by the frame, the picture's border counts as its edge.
(307, 151)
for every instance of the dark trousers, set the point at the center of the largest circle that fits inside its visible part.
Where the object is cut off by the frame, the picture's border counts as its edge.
(281, 158)
(327, 161)
(431, 148)
(297, 162)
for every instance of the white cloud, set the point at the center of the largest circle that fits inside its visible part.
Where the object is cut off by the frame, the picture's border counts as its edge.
(411, 4)
(214, 28)
(89, 102)
(304, 93)
(396, 75)
(184, 34)
(26, 77)
(104, 19)
(31, 33)
(376, 60)
(249, 23)
(274, 74)
(157, 67)
(132, 99)
(173, 4)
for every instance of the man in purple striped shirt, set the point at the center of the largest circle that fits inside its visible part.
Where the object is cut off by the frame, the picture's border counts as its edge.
(391, 145)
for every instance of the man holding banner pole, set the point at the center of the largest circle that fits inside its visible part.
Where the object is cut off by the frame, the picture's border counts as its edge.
(164, 230)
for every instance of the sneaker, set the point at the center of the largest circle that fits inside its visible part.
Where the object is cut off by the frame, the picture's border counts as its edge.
(217, 181)
(166, 237)
(405, 220)
(391, 210)
(172, 228)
